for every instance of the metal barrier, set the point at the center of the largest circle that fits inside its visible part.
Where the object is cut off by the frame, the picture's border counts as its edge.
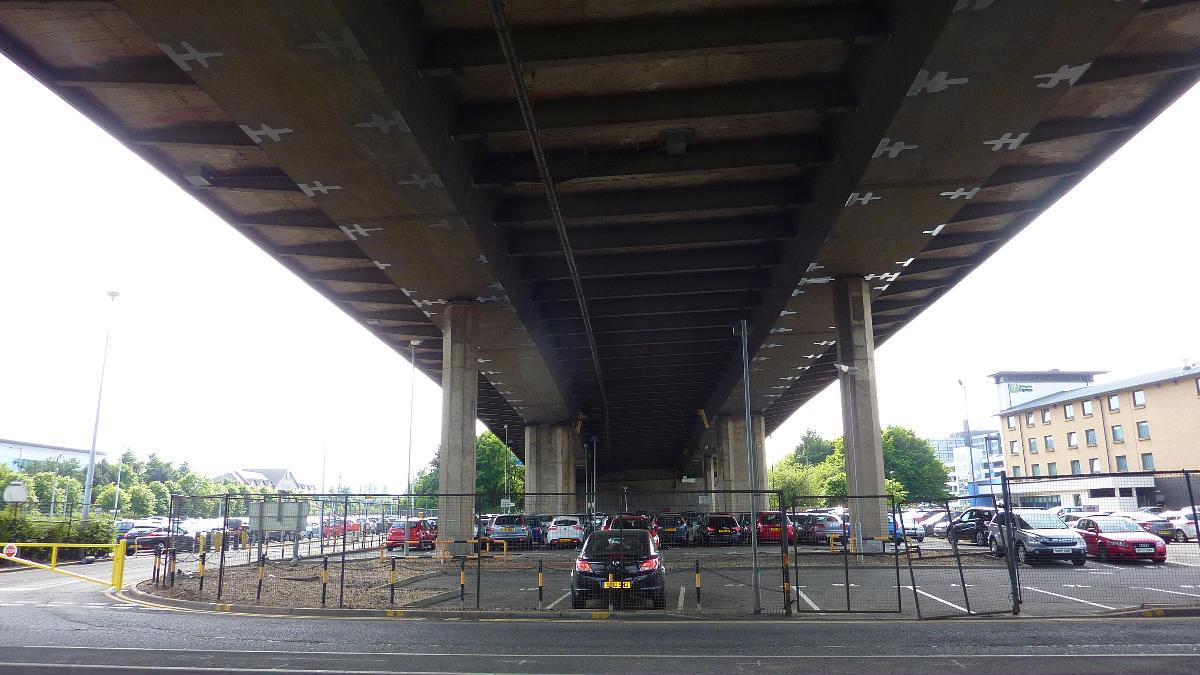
(117, 579)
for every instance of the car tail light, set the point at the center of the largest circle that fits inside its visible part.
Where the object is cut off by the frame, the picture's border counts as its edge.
(582, 565)
(647, 565)
(711, 529)
(736, 528)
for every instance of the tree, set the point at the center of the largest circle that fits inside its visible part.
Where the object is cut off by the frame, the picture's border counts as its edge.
(158, 470)
(142, 502)
(106, 497)
(911, 460)
(162, 497)
(813, 449)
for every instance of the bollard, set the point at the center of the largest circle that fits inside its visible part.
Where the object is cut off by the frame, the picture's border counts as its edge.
(787, 586)
(381, 553)
(154, 570)
(539, 584)
(201, 571)
(324, 579)
(262, 561)
(697, 585)
(392, 599)
(172, 554)
(462, 584)
(610, 591)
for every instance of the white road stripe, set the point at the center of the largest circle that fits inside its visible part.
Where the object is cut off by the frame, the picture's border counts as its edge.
(560, 599)
(1067, 597)
(682, 590)
(944, 602)
(1163, 590)
(1176, 562)
(38, 588)
(805, 598)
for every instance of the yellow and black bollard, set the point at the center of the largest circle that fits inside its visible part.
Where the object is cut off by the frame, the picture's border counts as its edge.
(324, 579)
(539, 584)
(154, 575)
(201, 570)
(262, 561)
(462, 583)
(392, 599)
(172, 554)
(697, 585)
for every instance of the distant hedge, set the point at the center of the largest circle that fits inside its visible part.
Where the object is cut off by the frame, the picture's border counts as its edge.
(25, 527)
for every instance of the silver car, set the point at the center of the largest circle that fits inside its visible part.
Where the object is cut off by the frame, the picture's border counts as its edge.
(1037, 535)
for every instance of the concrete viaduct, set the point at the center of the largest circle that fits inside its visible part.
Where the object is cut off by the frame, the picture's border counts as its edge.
(572, 204)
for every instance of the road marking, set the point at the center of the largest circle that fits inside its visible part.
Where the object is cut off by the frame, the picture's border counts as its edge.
(560, 599)
(944, 602)
(1067, 597)
(682, 590)
(805, 598)
(1162, 590)
(38, 588)
(1176, 562)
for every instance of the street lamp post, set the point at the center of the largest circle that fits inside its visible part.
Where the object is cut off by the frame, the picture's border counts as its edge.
(412, 384)
(91, 470)
(967, 439)
(507, 452)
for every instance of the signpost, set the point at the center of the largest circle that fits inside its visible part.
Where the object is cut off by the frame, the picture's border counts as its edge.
(16, 493)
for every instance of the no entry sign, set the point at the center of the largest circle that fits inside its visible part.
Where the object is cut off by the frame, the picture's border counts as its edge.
(10, 550)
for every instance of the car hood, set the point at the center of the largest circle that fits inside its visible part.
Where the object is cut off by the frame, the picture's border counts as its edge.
(1132, 537)
(1055, 533)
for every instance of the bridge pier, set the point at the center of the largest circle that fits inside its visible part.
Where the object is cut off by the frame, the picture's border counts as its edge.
(456, 474)
(550, 452)
(860, 407)
(731, 456)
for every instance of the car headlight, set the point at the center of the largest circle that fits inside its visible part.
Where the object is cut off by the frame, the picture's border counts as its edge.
(1035, 539)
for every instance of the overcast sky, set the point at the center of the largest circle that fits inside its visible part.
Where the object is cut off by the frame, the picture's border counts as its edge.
(223, 358)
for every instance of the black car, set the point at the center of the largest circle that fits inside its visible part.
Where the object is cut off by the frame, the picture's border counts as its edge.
(720, 528)
(623, 565)
(971, 526)
(673, 529)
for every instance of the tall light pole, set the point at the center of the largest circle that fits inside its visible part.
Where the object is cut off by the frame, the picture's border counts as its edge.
(412, 388)
(91, 471)
(967, 438)
(507, 452)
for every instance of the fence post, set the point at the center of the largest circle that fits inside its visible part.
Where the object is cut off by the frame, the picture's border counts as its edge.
(221, 543)
(462, 583)
(1187, 479)
(898, 519)
(345, 526)
(1009, 549)
(785, 526)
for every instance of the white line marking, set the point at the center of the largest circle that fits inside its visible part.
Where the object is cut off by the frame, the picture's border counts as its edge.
(682, 590)
(807, 599)
(1161, 590)
(1115, 567)
(38, 588)
(560, 599)
(944, 602)
(1176, 562)
(1067, 597)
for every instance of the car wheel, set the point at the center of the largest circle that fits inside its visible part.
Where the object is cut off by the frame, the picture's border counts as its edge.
(1181, 536)
(1102, 553)
(1022, 558)
(996, 550)
(981, 538)
(577, 600)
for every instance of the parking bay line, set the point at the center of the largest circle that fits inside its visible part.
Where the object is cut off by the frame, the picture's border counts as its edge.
(682, 590)
(944, 602)
(563, 597)
(1176, 562)
(1163, 590)
(1067, 597)
(807, 599)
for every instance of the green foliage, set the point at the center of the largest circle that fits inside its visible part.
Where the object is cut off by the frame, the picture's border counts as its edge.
(813, 449)
(142, 501)
(911, 460)
(491, 457)
(162, 497)
(29, 526)
(105, 498)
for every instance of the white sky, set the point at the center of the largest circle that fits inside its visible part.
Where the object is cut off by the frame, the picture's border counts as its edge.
(223, 358)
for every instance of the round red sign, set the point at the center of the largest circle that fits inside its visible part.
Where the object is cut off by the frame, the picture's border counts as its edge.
(10, 551)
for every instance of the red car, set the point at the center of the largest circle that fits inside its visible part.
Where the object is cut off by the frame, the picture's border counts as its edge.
(1111, 538)
(420, 535)
(768, 526)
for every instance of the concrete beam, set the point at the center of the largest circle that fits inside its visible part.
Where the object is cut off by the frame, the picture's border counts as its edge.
(651, 286)
(620, 239)
(752, 256)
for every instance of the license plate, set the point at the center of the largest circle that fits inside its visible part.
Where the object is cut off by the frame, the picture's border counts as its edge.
(1166, 533)
(564, 540)
(508, 529)
(723, 531)
(1062, 550)
(1144, 547)
(774, 529)
(668, 529)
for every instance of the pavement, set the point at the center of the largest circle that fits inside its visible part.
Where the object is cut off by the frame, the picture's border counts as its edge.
(55, 624)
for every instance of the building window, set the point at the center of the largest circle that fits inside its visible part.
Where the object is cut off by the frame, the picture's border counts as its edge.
(1069, 411)
(1122, 463)
(1147, 461)
(1094, 465)
(1143, 430)
(1072, 439)
(1029, 419)
(1102, 492)
(1075, 467)
(1016, 472)
(1126, 492)
(1049, 441)
(1089, 435)
(1087, 408)
(1036, 470)
(1139, 399)
(1114, 403)
(1118, 434)
(1012, 421)
(1014, 447)
(1033, 445)
(1052, 469)
(1045, 416)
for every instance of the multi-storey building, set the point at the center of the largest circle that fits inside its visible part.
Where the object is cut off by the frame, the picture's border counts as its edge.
(1099, 431)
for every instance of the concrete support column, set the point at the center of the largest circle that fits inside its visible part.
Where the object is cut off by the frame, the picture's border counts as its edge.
(550, 451)
(460, 388)
(731, 454)
(710, 482)
(860, 408)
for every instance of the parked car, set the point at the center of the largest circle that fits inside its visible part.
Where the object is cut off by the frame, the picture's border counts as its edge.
(1110, 538)
(911, 529)
(537, 528)
(823, 526)
(420, 534)
(1184, 522)
(635, 522)
(131, 536)
(770, 527)
(1036, 535)
(627, 556)
(936, 518)
(1156, 510)
(161, 536)
(565, 531)
(720, 528)
(123, 526)
(972, 525)
(673, 528)
(511, 528)
(1150, 522)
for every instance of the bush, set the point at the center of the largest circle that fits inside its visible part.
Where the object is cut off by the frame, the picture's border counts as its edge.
(34, 527)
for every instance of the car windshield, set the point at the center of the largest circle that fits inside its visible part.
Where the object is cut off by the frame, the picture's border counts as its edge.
(625, 544)
(566, 522)
(631, 524)
(507, 520)
(1041, 521)
(1117, 525)
(769, 518)
(721, 521)
(669, 521)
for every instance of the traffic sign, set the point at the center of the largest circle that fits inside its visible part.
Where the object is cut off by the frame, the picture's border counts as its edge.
(10, 550)
(16, 493)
